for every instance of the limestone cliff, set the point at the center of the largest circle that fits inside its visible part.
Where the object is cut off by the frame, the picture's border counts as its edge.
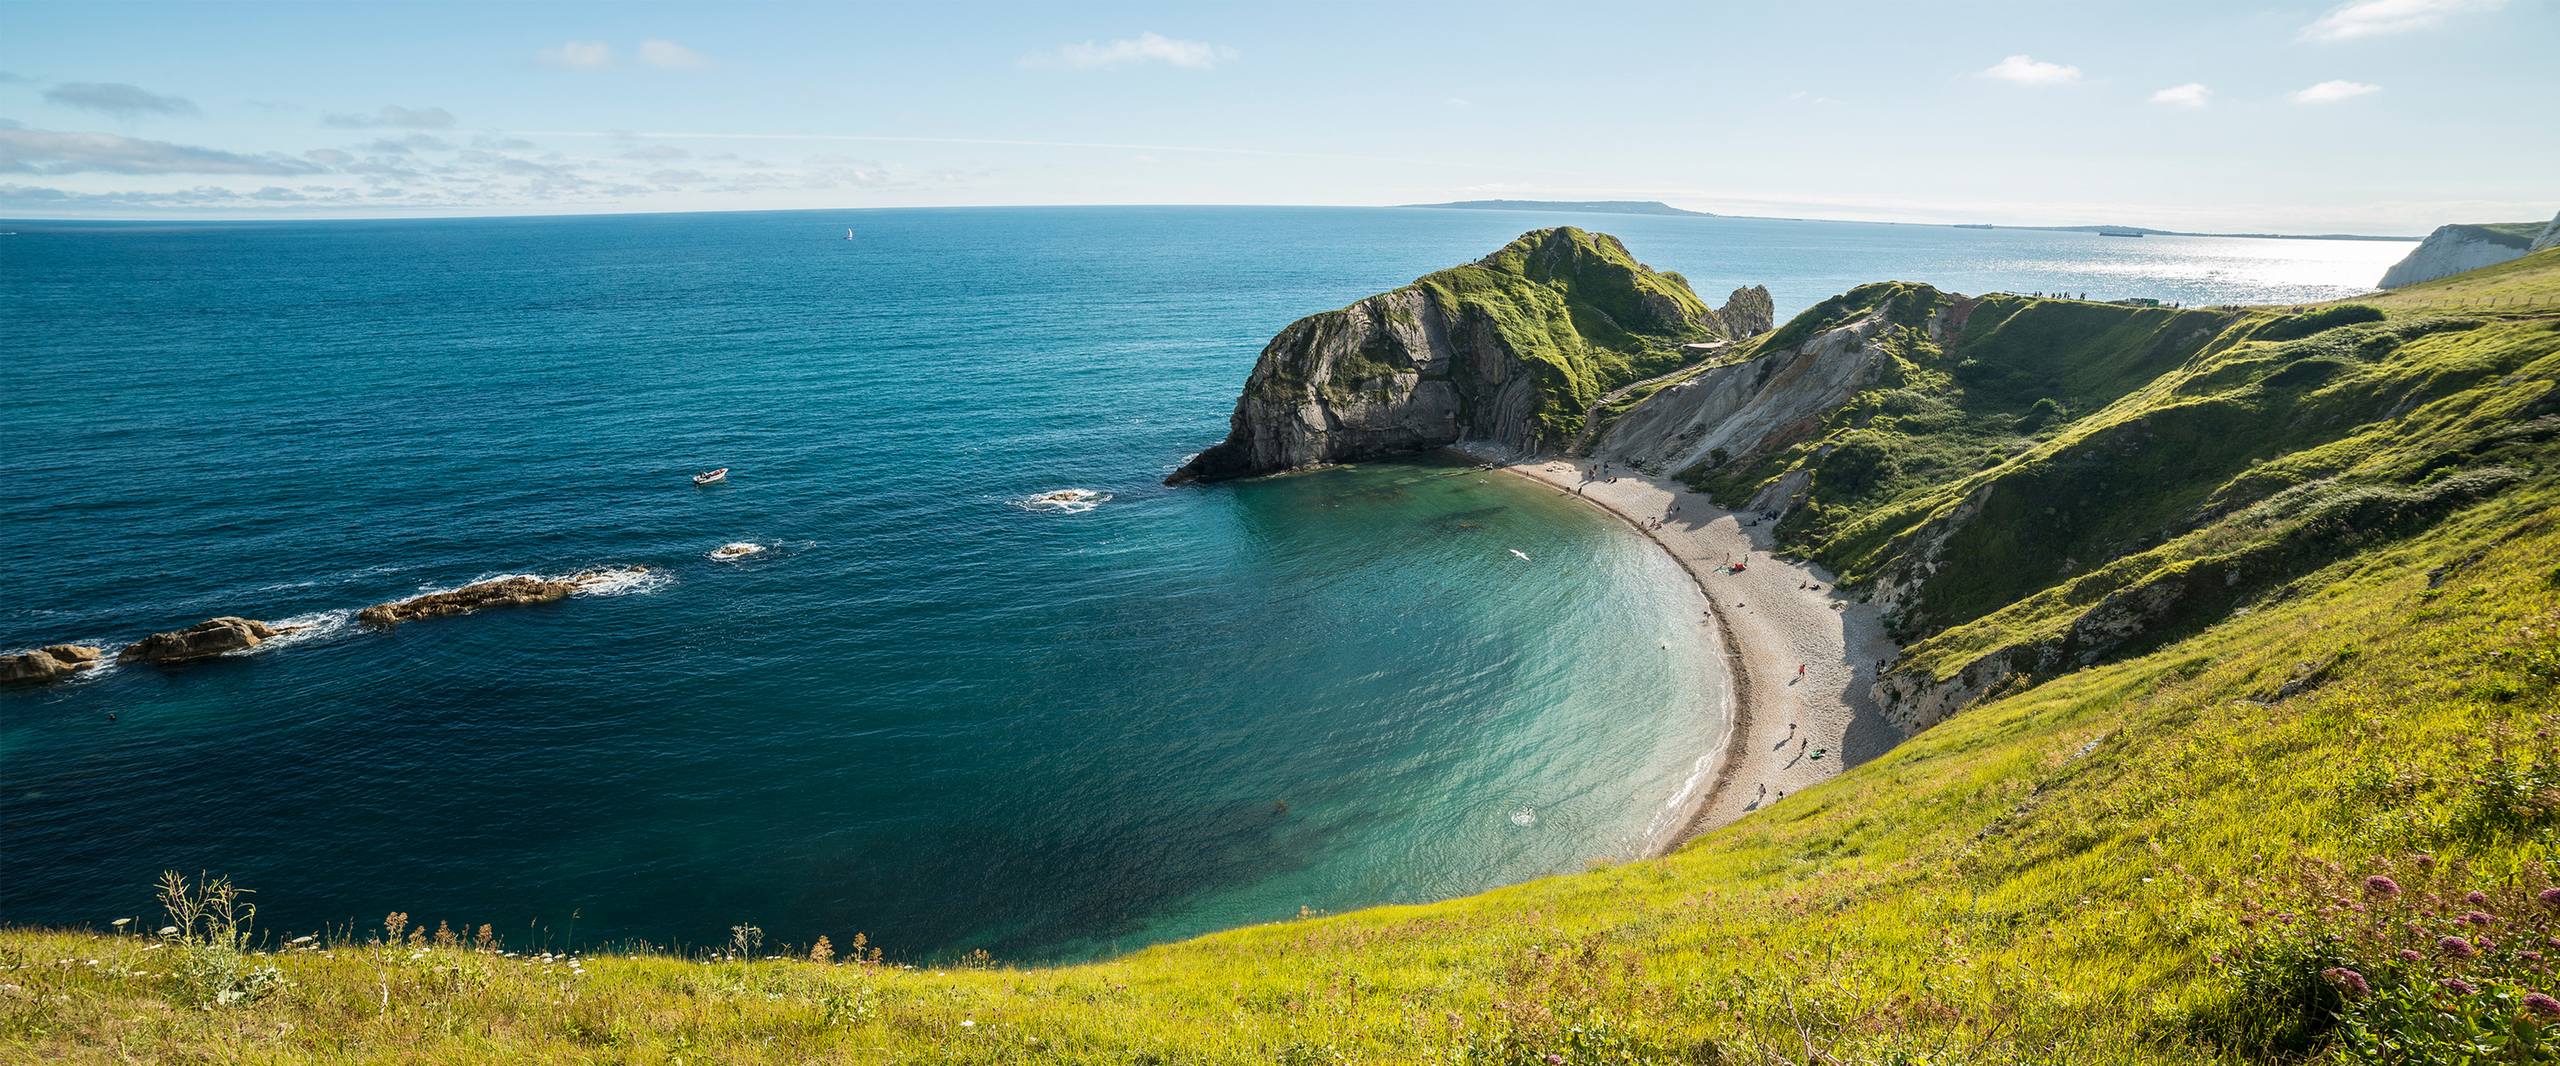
(2550, 237)
(2454, 249)
(1511, 350)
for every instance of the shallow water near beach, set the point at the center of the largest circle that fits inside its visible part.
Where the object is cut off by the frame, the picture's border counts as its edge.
(942, 706)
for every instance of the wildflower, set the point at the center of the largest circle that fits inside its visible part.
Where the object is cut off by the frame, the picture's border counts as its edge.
(2476, 898)
(968, 1023)
(2410, 955)
(2382, 886)
(2542, 1004)
(2456, 947)
(2479, 918)
(2348, 981)
(2529, 956)
(1554, 1059)
(2458, 986)
(2425, 861)
(2550, 897)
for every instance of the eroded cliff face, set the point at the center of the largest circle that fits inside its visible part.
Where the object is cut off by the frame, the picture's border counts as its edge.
(1771, 399)
(2451, 250)
(1509, 350)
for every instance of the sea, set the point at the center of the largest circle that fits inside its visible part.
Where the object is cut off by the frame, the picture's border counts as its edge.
(986, 685)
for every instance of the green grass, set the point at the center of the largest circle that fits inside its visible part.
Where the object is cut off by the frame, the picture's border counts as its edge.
(2155, 858)
(1579, 311)
(2517, 286)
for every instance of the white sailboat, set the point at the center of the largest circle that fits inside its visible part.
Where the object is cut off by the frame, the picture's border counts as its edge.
(848, 233)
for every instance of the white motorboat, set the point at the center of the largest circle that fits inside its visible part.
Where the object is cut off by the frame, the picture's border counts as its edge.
(711, 477)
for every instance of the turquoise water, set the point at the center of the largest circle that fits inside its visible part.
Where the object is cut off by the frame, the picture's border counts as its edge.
(927, 711)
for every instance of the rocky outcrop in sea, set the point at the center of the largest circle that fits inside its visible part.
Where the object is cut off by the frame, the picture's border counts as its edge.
(513, 591)
(1510, 350)
(203, 640)
(50, 663)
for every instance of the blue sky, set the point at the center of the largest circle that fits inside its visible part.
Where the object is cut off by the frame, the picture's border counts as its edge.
(2376, 116)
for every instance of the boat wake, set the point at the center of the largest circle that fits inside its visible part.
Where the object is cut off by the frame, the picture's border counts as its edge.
(1064, 501)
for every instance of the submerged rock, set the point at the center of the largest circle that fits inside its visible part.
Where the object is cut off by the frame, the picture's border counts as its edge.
(496, 592)
(203, 640)
(50, 663)
(1510, 350)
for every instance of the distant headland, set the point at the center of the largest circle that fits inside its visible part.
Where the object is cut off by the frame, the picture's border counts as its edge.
(1657, 207)
(1598, 207)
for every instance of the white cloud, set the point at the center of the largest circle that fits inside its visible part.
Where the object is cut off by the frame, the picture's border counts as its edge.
(668, 54)
(579, 55)
(25, 151)
(1143, 48)
(2382, 18)
(2026, 70)
(2193, 94)
(118, 99)
(2330, 92)
(393, 116)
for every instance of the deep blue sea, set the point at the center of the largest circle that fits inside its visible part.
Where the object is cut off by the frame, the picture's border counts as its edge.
(929, 711)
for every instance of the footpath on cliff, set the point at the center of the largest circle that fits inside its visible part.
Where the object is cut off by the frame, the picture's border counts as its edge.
(1802, 658)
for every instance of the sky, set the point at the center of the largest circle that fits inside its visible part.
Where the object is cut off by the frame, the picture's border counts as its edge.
(2375, 116)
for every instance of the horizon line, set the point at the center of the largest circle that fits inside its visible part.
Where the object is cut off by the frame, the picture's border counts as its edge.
(1695, 215)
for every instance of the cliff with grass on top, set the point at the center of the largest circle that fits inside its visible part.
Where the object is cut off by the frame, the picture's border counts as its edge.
(2464, 247)
(2030, 486)
(2309, 815)
(1510, 350)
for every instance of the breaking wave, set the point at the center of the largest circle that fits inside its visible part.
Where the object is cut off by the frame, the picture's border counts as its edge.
(1064, 501)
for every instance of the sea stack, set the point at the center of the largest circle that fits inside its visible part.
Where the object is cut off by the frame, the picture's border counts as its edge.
(1510, 350)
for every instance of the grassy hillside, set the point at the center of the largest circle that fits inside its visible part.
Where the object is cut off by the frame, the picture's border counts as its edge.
(2318, 823)
(2054, 461)
(1580, 311)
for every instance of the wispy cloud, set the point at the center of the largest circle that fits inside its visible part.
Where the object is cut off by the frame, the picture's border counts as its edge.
(415, 142)
(25, 151)
(2330, 92)
(2191, 95)
(2027, 70)
(669, 54)
(118, 99)
(2382, 18)
(9, 77)
(578, 55)
(1143, 48)
(394, 117)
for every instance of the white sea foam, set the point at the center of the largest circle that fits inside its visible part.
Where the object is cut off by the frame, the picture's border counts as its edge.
(302, 629)
(1524, 817)
(621, 581)
(1064, 501)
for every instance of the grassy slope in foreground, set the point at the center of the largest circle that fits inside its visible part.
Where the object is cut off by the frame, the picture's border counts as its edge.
(2153, 859)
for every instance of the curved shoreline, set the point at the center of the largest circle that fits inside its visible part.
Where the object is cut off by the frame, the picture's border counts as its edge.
(1772, 619)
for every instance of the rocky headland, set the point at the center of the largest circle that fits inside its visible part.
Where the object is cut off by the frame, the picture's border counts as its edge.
(1508, 351)
(2464, 247)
